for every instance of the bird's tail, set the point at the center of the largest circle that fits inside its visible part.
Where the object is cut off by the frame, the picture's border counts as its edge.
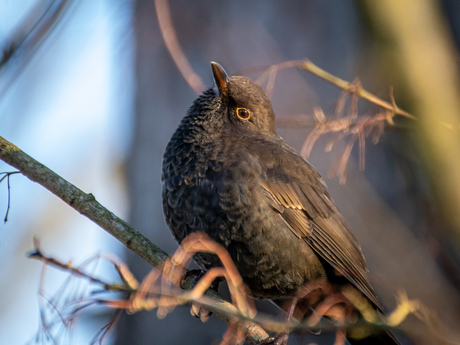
(383, 337)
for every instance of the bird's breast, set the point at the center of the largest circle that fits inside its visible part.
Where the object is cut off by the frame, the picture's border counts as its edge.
(223, 197)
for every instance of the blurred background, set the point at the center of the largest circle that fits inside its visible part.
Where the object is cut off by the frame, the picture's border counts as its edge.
(92, 92)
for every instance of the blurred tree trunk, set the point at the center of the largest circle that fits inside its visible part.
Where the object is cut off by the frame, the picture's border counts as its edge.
(428, 63)
(412, 47)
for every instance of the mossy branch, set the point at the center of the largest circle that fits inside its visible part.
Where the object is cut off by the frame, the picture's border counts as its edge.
(84, 203)
(88, 206)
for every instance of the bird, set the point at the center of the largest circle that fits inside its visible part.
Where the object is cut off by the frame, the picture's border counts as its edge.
(226, 172)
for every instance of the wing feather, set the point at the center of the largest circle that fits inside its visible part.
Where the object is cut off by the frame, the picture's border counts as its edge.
(309, 212)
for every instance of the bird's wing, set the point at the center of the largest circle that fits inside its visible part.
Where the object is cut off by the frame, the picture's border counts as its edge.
(310, 213)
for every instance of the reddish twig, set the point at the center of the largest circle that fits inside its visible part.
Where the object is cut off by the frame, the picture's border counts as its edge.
(337, 302)
(174, 48)
(359, 128)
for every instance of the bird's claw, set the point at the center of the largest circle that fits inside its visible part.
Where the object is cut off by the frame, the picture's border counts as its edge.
(200, 312)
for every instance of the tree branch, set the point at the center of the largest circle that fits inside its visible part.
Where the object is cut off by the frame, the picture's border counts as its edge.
(270, 74)
(174, 48)
(88, 206)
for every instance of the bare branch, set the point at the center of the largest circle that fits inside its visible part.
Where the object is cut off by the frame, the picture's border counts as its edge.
(174, 48)
(340, 303)
(358, 128)
(270, 74)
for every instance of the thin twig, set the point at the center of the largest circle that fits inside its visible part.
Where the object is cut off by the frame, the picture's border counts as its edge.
(174, 48)
(7, 176)
(309, 66)
(358, 127)
(332, 306)
(37, 254)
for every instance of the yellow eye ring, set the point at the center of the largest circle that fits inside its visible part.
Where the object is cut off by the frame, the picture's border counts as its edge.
(243, 113)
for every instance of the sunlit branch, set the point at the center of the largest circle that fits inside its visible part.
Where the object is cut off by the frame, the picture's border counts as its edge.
(307, 65)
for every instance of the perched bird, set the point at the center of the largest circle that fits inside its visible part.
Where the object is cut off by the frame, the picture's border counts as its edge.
(226, 172)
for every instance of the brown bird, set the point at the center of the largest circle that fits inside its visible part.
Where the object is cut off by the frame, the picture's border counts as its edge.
(226, 172)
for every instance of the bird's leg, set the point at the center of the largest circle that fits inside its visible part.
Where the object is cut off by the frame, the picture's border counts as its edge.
(197, 309)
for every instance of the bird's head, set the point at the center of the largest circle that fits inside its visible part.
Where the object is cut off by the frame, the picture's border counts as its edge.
(242, 103)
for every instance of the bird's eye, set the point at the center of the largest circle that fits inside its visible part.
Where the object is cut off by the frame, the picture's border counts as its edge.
(243, 113)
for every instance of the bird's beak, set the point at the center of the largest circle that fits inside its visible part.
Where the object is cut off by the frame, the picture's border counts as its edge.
(220, 78)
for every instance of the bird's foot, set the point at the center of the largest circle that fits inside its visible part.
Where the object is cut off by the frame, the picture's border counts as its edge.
(197, 309)
(200, 312)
